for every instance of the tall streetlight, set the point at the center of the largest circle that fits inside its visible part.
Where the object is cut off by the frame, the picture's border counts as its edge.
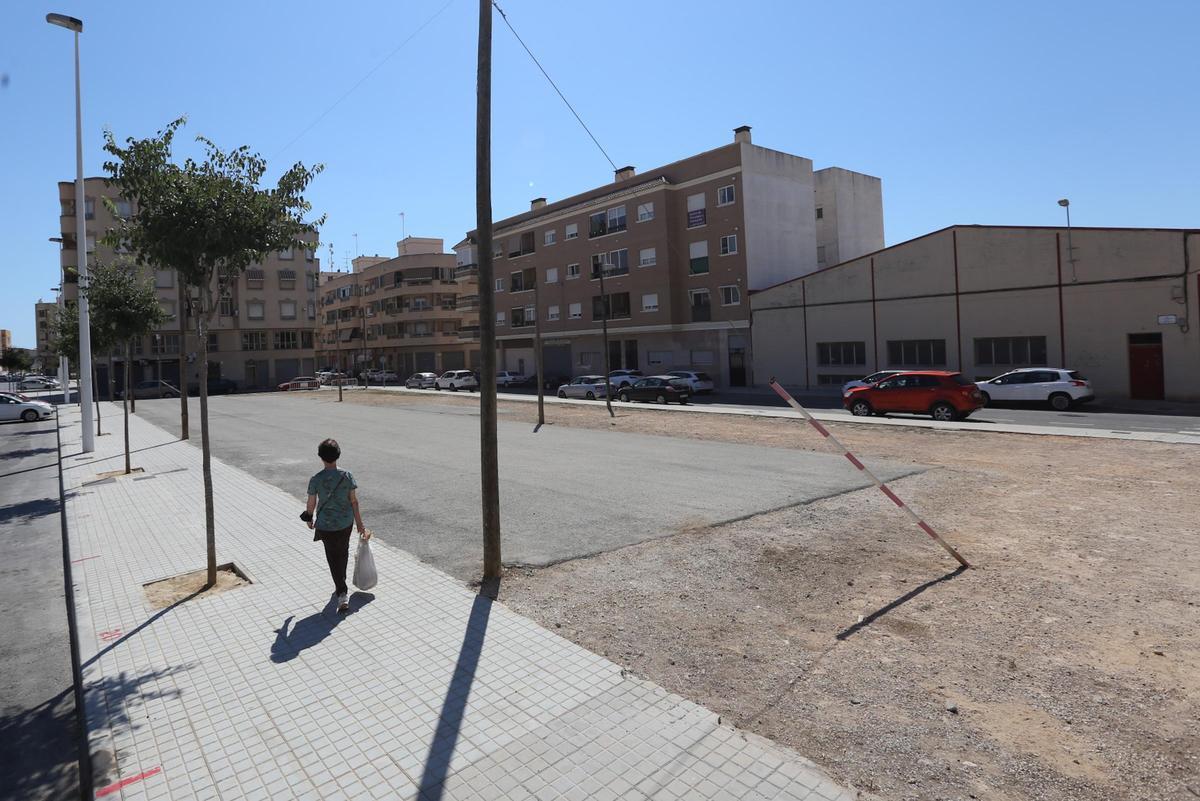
(85, 330)
(1066, 204)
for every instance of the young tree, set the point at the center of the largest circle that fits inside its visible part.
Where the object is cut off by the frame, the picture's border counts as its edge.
(128, 307)
(64, 340)
(14, 360)
(208, 220)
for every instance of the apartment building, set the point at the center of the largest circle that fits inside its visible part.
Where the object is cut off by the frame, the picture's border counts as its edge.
(412, 313)
(1117, 304)
(45, 315)
(5, 339)
(260, 334)
(681, 246)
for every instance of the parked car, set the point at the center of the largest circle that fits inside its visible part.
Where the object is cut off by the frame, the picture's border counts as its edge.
(624, 378)
(584, 386)
(18, 407)
(302, 382)
(700, 383)
(422, 381)
(333, 377)
(380, 376)
(943, 395)
(866, 381)
(149, 389)
(658, 388)
(506, 378)
(455, 380)
(216, 386)
(1060, 388)
(36, 382)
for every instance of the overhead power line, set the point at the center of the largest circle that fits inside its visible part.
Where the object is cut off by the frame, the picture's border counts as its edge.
(552, 83)
(360, 81)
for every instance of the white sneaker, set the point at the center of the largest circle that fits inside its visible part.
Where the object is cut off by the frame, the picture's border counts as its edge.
(343, 603)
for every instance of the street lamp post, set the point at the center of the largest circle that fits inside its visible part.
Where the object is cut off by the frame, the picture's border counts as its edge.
(1066, 204)
(85, 333)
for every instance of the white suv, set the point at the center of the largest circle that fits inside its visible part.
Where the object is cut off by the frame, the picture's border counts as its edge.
(1062, 389)
(455, 380)
(506, 378)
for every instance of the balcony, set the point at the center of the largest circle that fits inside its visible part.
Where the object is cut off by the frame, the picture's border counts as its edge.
(468, 333)
(466, 271)
(466, 302)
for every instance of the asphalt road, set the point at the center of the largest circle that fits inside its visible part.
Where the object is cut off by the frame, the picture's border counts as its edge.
(38, 758)
(565, 492)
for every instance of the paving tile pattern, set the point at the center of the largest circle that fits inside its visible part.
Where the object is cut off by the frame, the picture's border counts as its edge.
(425, 691)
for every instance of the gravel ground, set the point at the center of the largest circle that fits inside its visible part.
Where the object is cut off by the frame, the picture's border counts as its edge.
(1063, 665)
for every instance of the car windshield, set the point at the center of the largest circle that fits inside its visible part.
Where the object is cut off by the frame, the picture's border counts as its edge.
(959, 378)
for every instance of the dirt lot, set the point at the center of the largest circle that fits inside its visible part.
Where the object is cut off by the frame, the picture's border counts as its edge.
(1064, 665)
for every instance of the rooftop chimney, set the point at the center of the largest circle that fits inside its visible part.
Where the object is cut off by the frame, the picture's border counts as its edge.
(742, 134)
(537, 203)
(625, 173)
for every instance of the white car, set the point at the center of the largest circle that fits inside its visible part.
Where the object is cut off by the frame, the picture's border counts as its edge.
(382, 376)
(38, 382)
(506, 378)
(14, 407)
(584, 386)
(455, 380)
(422, 381)
(866, 381)
(1060, 388)
(624, 378)
(700, 382)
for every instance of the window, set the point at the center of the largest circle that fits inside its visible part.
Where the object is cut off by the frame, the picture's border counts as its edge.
(839, 353)
(498, 251)
(731, 295)
(168, 307)
(515, 282)
(521, 316)
(89, 206)
(575, 311)
(647, 258)
(255, 310)
(522, 245)
(552, 275)
(703, 357)
(571, 231)
(286, 254)
(312, 310)
(695, 211)
(286, 340)
(548, 238)
(615, 262)
(617, 305)
(500, 318)
(659, 357)
(701, 305)
(572, 271)
(310, 254)
(163, 344)
(820, 213)
(552, 313)
(287, 310)
(645, 212)
(124, 209)
(588, 358)
(606, 222)
(616, 219)
(916, 352)
(650, 302)
(698, 258)
(729, 245)
(225, 304)
(306, 340)
(499, 284)
(164, 279)
(287, 279)
(1018, 351)
(310, 282)
(254, 278)
(68, 208)
(820, 254)
(214, 342)
(726, 195)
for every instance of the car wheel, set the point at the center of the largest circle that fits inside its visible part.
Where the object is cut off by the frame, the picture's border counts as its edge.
(860, 408)
(661, 399)
(943, 412)
(438, 387)
(453, 388)
(29, 416)
(591, 396)
(986, 398)
(1060, 401)
(623, 397)
(562, 394)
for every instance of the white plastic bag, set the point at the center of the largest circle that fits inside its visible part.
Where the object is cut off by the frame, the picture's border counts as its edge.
(364, 566)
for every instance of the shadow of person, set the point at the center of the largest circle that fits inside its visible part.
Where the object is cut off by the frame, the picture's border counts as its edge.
(310, 631)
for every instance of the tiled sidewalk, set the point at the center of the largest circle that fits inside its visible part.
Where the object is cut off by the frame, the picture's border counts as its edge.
(425, 691)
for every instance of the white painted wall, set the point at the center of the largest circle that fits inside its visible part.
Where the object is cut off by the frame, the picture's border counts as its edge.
(852, 218)
(777, 191)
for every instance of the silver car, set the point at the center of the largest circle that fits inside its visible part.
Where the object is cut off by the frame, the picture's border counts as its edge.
(584, 386)
(421, 381)
(15, 407)
(866, 381)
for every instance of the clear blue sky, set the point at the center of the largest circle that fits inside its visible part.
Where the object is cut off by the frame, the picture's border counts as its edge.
(969, 112)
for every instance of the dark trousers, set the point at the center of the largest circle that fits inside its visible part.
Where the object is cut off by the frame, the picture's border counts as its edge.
(337, 554)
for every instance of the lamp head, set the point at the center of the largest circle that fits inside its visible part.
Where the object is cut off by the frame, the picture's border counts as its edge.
(1064, 203)
(63, 21)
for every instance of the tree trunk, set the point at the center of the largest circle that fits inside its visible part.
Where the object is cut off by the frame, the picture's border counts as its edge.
(96, 396)
(183, 390)
(125, 404)
(111, 397)
(206, 455)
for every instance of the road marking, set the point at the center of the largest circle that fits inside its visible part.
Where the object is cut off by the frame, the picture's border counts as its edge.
(116, 786)
(84, 559)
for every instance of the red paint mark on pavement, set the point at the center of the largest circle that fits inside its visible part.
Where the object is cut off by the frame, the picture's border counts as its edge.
(854, 461)
(111, 634)
(84, 559)
(888, 492)
(115, 786)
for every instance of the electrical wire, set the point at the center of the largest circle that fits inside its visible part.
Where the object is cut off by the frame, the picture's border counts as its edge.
(553, 84)
(360, 81)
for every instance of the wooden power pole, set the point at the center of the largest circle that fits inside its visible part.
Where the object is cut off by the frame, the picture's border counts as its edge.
(488, 459)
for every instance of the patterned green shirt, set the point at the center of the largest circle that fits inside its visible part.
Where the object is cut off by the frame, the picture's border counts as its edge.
(334, 511)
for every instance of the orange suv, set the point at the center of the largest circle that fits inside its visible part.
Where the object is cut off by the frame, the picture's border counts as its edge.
(943, 395)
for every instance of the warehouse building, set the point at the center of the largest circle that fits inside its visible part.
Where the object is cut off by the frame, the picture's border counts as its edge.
(1117, 304)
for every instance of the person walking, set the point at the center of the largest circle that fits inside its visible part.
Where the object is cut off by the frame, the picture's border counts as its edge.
(337, 514)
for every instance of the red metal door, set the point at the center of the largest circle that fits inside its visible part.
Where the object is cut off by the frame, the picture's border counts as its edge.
(1146, 367)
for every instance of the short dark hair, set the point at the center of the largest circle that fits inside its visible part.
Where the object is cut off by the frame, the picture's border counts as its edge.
(329, 451)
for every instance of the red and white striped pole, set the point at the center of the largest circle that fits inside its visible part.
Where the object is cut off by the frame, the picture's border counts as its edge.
(884, 488)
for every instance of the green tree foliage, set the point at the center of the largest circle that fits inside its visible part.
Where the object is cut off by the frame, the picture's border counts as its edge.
(15, 360)
(208, 220)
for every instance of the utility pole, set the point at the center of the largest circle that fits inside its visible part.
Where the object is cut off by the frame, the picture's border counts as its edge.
(537, 350)
(604, 331)
(488, 459)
